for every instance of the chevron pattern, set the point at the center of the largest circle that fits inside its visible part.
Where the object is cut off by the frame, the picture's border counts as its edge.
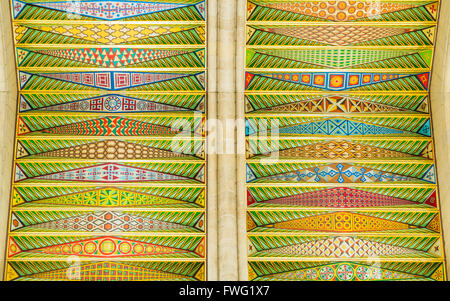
(110, 163)
(340, 164)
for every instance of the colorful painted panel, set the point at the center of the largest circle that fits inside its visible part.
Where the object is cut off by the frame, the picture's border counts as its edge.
(110, 172)
(341, 178)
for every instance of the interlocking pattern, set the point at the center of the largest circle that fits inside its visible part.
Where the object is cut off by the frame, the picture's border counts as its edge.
(109, 168)
(341, 180)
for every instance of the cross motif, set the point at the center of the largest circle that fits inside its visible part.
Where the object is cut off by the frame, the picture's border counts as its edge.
(345, 272)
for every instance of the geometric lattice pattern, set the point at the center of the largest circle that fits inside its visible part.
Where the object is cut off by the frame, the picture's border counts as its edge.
(340, 170)
(109, 167)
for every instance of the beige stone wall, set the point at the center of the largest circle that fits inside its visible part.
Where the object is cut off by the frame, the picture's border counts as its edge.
(226, 138)
(211, 234)
(8, 96)
(440, 106)
(240, 115)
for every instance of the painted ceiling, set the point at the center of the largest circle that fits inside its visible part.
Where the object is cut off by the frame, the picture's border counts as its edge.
(341, 180)
(109, 171)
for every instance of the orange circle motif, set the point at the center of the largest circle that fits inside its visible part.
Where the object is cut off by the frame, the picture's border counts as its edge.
(341, 16)
(342, 5)
(319, 80)
(337, 81)
(353, 80)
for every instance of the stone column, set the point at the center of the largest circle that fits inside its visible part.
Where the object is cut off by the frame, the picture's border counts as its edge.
(212, 260)
(240, 117)
(226, 165)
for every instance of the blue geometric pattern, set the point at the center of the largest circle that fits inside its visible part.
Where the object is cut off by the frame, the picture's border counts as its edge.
(338, 127)
(430, 175)
(335, 126)
(425, 129)
(340, 173)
